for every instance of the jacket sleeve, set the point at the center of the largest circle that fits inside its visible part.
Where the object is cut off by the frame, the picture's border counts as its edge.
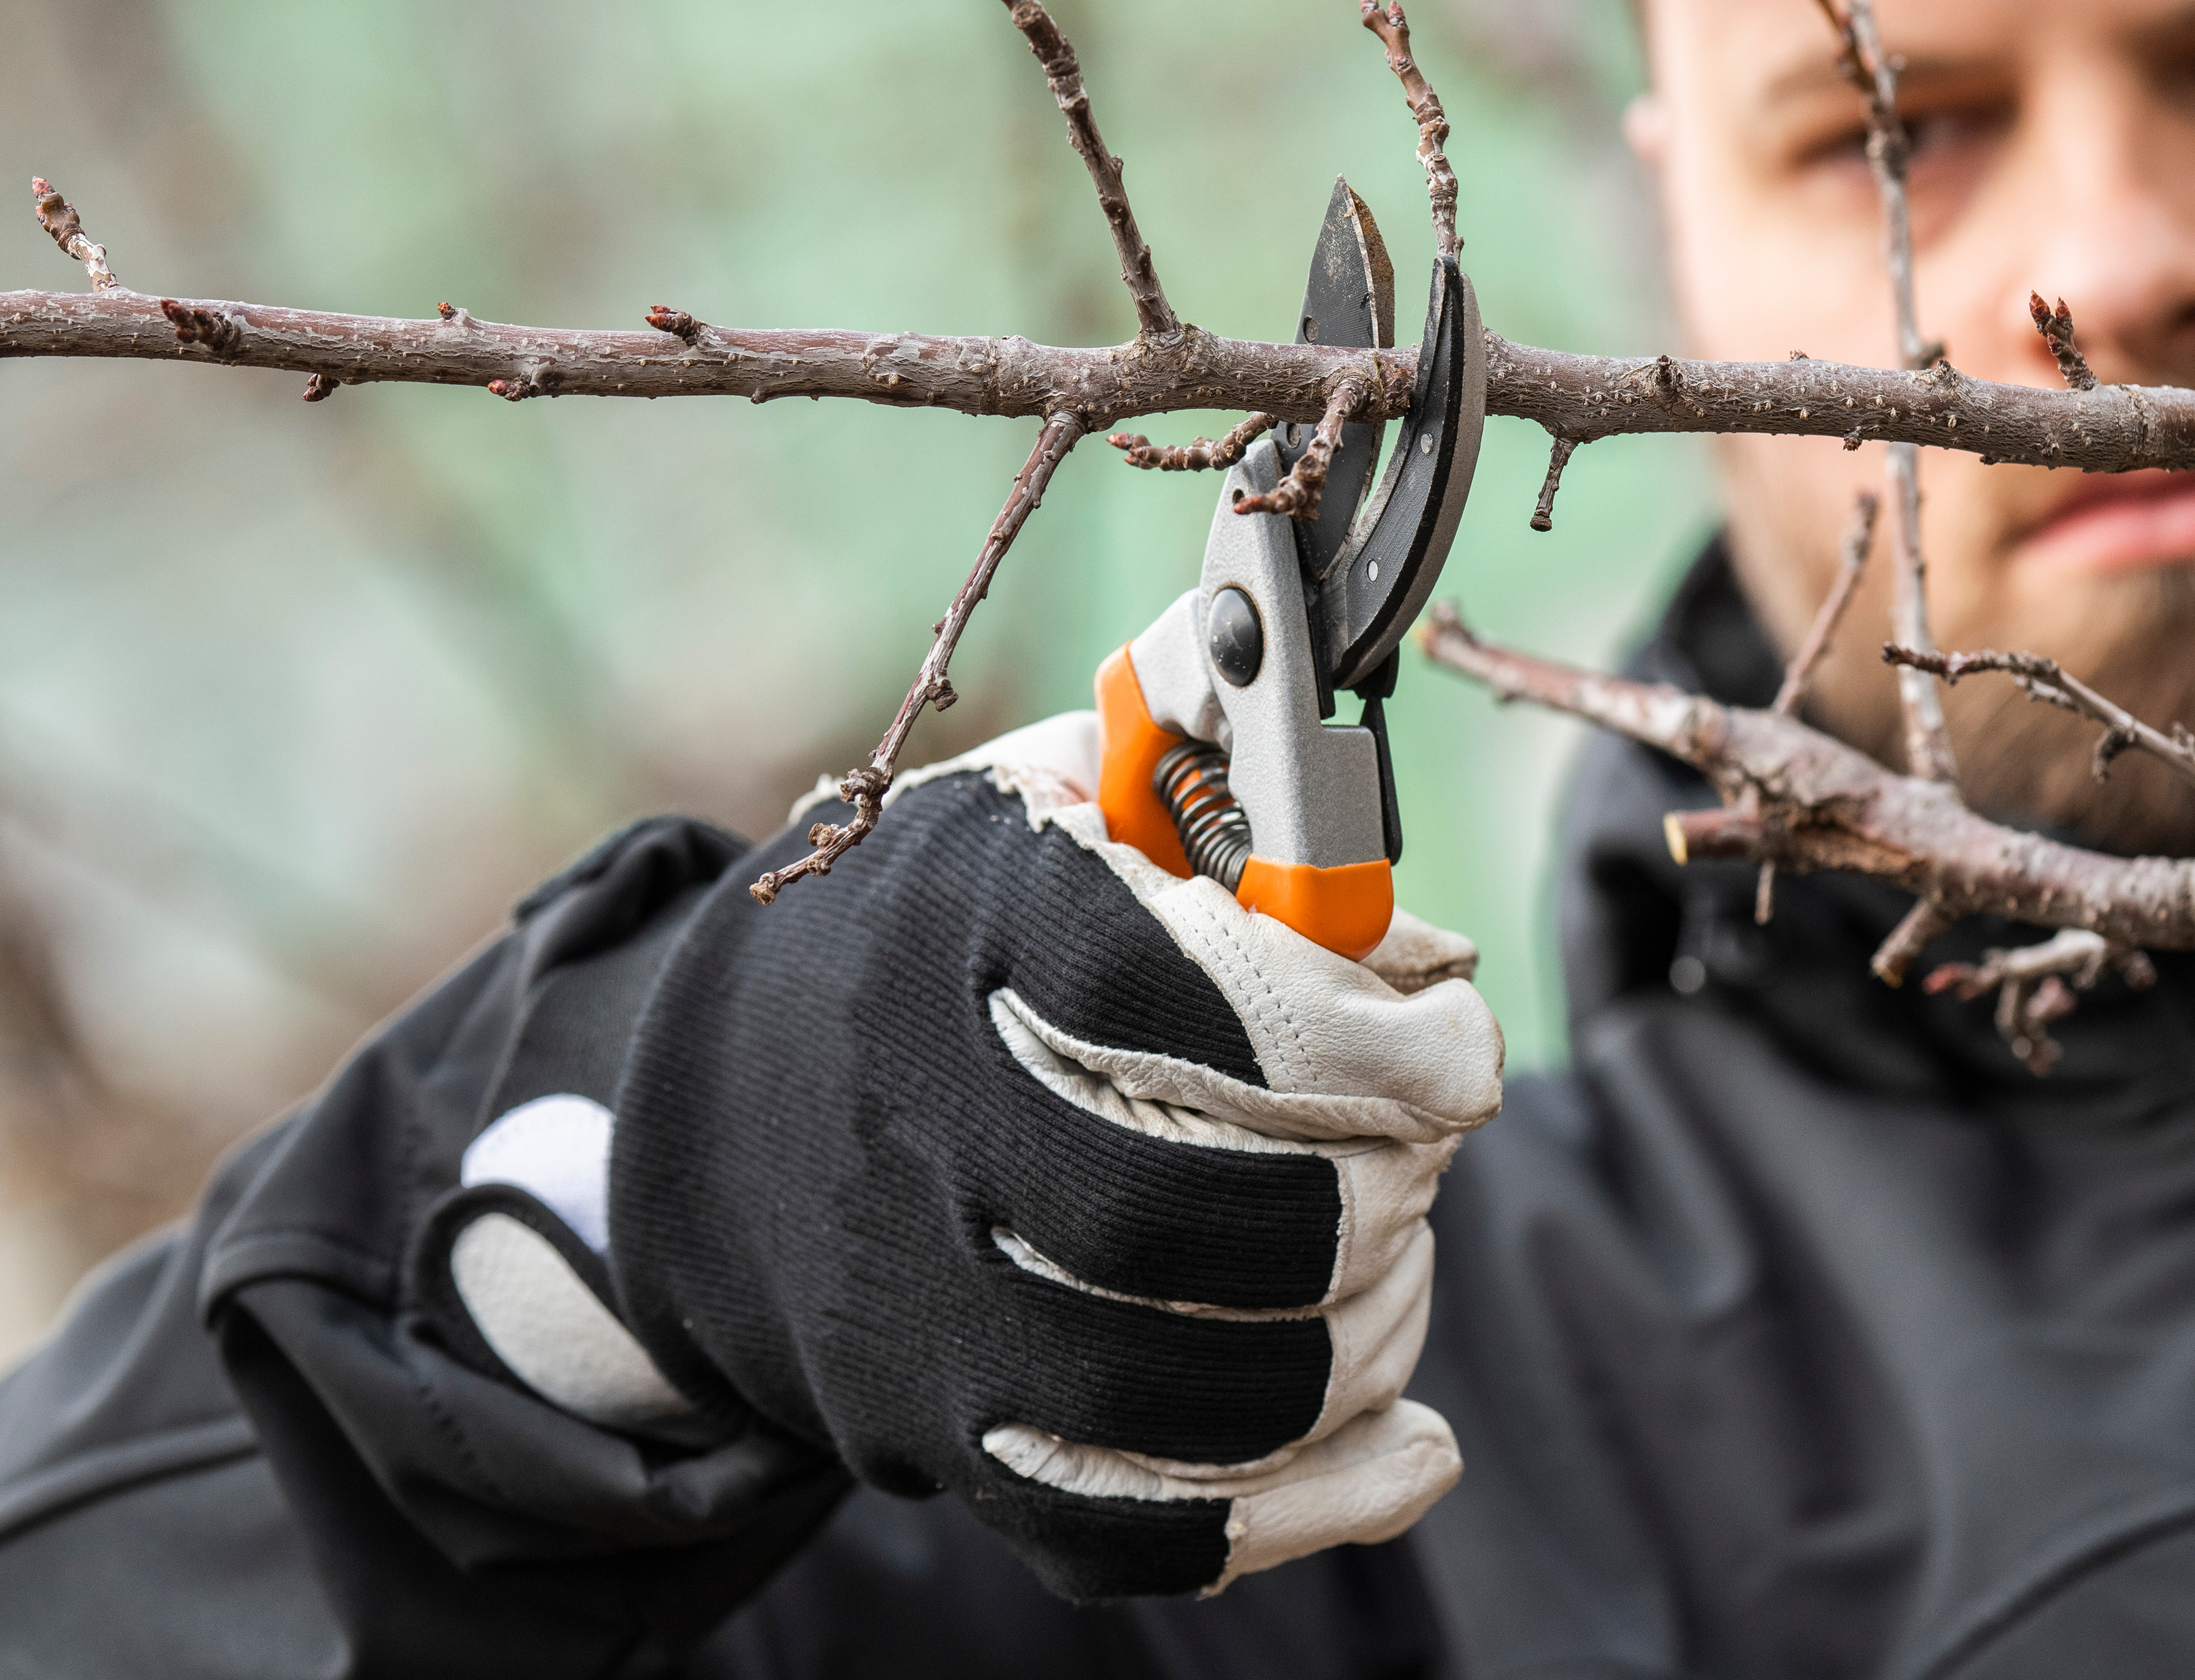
(293, 1367)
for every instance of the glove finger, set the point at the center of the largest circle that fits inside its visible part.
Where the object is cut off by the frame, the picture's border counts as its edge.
(1227, 1387)
(1373, 1341)
(1166, 1202)
(1334, 1050)
(1365, 1483)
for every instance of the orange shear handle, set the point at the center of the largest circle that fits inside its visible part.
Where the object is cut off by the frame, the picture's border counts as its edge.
(1345, 908)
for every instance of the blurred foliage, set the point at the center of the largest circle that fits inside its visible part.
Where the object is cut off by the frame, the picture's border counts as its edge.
(294, 700)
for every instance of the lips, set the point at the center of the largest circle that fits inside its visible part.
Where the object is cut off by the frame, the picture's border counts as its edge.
(2116, 523)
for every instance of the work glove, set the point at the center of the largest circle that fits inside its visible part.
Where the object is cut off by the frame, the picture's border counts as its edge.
(1000, 1161)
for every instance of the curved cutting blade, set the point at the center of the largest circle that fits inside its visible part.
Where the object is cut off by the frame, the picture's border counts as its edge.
(1376, 586)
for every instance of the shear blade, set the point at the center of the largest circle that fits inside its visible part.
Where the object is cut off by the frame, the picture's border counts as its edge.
(1349, 303)
(1375, 586)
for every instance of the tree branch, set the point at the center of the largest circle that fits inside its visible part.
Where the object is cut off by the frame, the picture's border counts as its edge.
(2111, 428)
(1889, 154)
(1800, 671)
(1858, 540)
(864, 787)
(1298, 495)
(1802, 800)
(1192, 456)
(2057, 330)
(2045, 680)
(1394, 32)
(58, 216)
(2036, 984)
(1560, 452)
(1154, 316)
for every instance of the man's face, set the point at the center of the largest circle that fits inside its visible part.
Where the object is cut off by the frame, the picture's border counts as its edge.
(2054, 150)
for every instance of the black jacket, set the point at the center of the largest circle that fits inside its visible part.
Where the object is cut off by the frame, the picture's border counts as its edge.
(1794, 1330)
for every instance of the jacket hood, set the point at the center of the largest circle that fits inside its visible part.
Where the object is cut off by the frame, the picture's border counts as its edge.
(1632, 918)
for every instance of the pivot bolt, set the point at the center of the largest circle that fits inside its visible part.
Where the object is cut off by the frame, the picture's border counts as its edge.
(1238, 640)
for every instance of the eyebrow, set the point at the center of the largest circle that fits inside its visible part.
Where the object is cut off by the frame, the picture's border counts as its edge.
(2166, 29)
(1813, 74)
(1819, 73)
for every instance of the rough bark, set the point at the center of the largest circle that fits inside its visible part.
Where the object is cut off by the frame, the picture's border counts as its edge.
(2109, 428)
(1803, 801)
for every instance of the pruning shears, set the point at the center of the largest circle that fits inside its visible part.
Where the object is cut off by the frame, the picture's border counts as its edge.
(1218, 758)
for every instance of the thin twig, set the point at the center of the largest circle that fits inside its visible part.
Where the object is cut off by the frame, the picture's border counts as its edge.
(1889, 154)
(1299, 494)
(1154, 316)
(58, 216)
(1558, 457)
(1193, 457)
(1394, 32)
(2036, 986)
(1858, 540)
(2057, 330)
(864, 788)
(2046, 680)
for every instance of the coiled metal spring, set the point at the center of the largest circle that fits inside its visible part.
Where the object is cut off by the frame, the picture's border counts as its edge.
(1191, 782)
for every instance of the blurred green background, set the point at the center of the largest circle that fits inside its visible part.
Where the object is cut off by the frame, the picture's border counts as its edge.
(294, 699)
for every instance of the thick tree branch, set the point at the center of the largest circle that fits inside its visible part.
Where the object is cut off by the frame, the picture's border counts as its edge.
(1193, 457)
(2111, 428)
(1394, 32)
(2045, 680)
(1804, 801)
(1298, 495)
(1154, 316)
(864, 787)
(58, 216)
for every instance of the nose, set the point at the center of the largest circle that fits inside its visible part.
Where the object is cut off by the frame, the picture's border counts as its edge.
(2116, 229)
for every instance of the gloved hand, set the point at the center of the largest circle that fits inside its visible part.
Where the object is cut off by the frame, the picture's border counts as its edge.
(1001, 1161)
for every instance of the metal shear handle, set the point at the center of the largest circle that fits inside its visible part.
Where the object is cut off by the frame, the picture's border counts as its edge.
(1216, 760)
